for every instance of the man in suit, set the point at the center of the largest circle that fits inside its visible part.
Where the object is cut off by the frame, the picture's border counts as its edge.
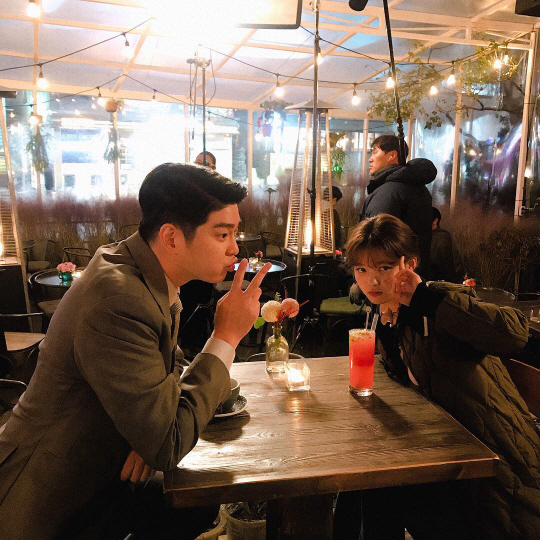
(108, 402)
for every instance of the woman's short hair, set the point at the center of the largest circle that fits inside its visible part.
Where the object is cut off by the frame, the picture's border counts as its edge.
(383, 233)
(184, 195)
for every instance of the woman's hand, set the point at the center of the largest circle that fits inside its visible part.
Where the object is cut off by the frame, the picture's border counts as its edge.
(406, 281)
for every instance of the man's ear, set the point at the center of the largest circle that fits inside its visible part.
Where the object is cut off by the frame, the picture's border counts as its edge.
(170, 237)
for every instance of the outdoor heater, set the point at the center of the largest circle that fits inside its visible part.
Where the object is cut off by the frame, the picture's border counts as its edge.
(302, 230)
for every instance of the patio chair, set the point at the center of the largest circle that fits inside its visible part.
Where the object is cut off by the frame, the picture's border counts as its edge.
(527, 380)
(494, 295)
(272, 245)
(20, 348)
(10, 392)
(80, 256)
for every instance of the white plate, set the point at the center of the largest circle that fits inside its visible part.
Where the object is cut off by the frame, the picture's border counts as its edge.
(239, 405)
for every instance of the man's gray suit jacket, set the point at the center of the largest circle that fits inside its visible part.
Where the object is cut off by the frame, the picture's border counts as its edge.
(105, 383)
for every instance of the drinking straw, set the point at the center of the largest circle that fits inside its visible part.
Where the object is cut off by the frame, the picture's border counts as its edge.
(368, 311)
(374, 322)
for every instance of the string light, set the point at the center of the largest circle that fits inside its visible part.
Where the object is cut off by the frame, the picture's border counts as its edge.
(390, 83)
(451, 80)
(128, 51)
(355, 100)
(33, 10)
(497, 64)
(433, 91)
(154, 96)
(42, 82)
(34, 119)
(278, 92)
(506, 59)
(101, 100)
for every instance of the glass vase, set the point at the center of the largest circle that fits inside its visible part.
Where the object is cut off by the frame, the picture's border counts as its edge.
(66, 276)
(277, 351)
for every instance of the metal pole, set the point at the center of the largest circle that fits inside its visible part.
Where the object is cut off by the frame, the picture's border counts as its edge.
(401, 135)
(315, 138)
(117, 160)
(250, 155)
(364, 174)
(457, 145)
(186, 133)
(204, 112)
(525, 129)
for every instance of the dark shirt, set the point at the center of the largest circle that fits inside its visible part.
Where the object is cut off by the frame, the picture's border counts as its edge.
(442, 256)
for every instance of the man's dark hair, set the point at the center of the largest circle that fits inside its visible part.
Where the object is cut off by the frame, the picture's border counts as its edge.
(209, 154)
(389, 142)
(183, 195)
(336, 193)
(436, 215)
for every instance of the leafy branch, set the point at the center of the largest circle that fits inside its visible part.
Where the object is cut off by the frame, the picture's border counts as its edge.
(37, 149)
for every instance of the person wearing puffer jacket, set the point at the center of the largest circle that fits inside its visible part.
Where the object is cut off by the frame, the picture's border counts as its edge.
(447, 343)
(401, 191)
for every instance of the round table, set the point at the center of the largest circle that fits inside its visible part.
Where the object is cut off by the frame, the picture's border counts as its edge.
(50, 278)
(247, 237)
(277, 266)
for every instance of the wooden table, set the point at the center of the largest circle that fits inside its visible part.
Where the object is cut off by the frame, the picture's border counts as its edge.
(297, 448)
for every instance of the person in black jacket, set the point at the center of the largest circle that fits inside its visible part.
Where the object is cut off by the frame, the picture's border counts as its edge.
(401, 191)
(442, 265)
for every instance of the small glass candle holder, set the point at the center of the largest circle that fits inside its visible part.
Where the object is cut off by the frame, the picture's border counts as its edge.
(297, 376)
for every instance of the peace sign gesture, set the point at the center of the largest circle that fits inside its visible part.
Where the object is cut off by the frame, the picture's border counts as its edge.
(237, 310)
(406, 281)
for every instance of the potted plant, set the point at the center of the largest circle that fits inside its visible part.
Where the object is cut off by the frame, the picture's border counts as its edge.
(245, 520)
(37, 148)
(270, 107)
(337, 154)
(114, 104)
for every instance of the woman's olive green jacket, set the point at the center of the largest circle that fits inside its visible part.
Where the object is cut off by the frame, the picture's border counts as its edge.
(451, 343)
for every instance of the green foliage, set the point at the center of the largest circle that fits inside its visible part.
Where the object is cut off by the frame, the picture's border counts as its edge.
(415, 83)
(113, 150)
(277, 105)
(337, 156)
(37, 149)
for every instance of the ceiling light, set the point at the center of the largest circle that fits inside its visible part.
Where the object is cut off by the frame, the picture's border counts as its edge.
(101, 100)
(433, 91)
(42, 82)
(128, 51)
(278, 91)
(497, 64)
(33, 10)
(355, 100)
(154, 96)
(35, 119)
(390, 82)
(451, 80)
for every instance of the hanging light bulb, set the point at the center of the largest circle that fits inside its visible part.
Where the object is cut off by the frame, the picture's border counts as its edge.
(154, 96)
(355, 100)
(35, 119)
(506, 59)
(128, 51)
(497, 64)
(33, 10)
(258, 136)
(12, 114)
(390, 83)
(101, 100)
(451, 80)
(278, 91)
(433, 91)
(320, 59)
(42, 82)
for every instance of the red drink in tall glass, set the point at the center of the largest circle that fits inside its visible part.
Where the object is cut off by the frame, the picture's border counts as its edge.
(361, 357)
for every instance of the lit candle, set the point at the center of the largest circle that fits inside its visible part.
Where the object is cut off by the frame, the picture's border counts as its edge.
(77, 274)
(297, 376)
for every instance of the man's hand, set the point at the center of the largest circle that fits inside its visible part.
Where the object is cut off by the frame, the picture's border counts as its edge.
(406, 282)
(135, 469)
(237, 310)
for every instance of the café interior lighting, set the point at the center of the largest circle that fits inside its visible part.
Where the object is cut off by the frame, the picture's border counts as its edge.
(35, 119)
(297, 376)
(33, 10)
(433, 91)
(278, 92)
(42, 82)
(355, 100)
(390, 82)
(497, 64)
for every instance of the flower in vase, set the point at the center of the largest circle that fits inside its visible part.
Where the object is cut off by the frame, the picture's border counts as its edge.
(470, 282)
(66, 267)
(271, 311)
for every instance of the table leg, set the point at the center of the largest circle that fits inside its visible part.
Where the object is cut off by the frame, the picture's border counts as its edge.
(300, 518)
